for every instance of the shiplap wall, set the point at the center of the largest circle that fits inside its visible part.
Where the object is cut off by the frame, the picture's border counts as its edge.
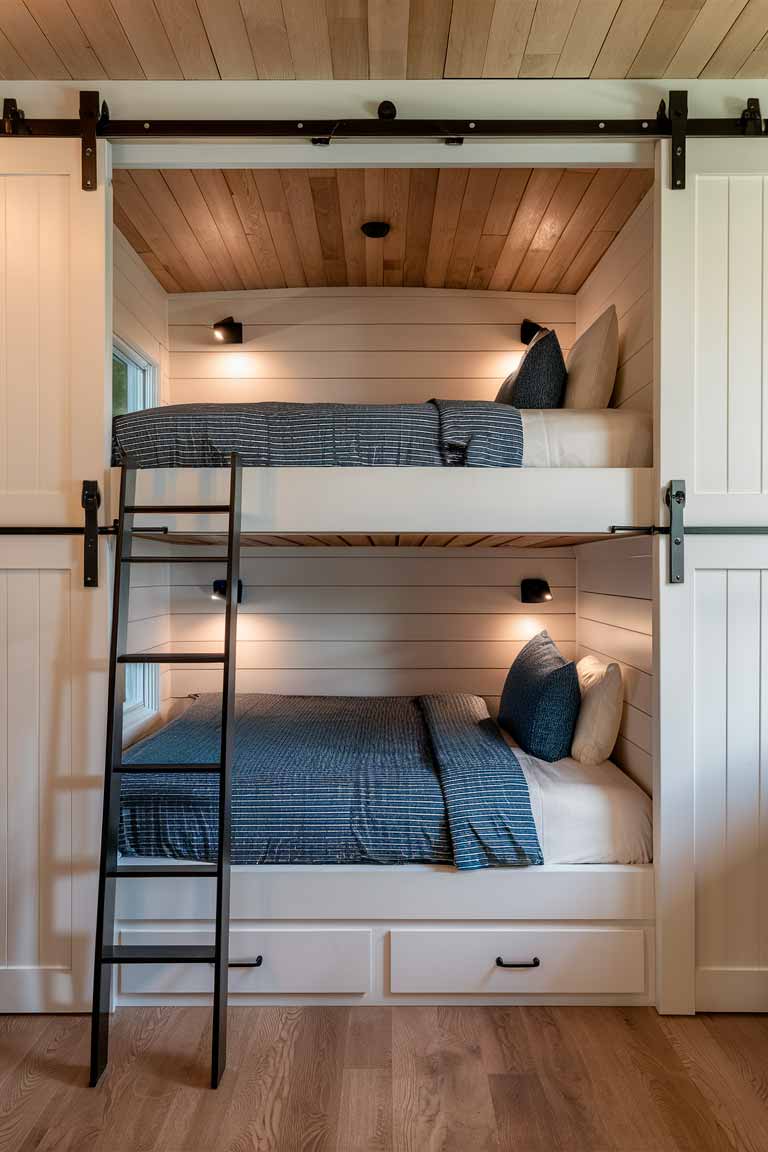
(614, 621)
(374, 622)
(140, 310)
(353, 345)
(624, 278)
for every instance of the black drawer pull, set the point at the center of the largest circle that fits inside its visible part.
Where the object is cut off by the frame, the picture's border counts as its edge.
(535, 963)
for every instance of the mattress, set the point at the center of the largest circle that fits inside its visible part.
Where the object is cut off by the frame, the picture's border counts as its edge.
(336, 780)
(579, 438)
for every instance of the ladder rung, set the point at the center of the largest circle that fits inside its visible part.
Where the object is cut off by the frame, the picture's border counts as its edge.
(123, 870)
(128, 769)
(159, 954)
(167, 509)
(172, 658)
(174, 559)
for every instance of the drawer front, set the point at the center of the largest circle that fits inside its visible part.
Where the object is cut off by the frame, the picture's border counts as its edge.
(294, 961)
(580, 960)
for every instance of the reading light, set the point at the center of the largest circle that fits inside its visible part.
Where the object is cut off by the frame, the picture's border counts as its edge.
(220, 590)
(228, 331)
(528, 330)
(375, 229)
(534, 591)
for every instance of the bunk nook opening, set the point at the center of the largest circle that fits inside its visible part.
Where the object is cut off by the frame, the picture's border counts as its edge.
(375, 596)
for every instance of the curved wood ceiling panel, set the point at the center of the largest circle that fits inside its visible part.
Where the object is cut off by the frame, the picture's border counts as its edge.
(381, 39)
(524, 230)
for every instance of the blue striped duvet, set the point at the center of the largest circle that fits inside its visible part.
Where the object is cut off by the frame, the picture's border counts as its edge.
(337, 780)
(466, 433)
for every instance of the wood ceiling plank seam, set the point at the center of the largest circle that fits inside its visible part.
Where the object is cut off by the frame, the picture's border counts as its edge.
(306, 22)
(627, 31)
(487, 255)
(60, 26)
(549, 31)
(451, 184)
(429, 24)
(478, 194)
(538, 192)
(269, 40)
(351, 193)
(397, 183)
(298, 195)
(325, 194)
(142, 214)
(156, 191)
(186, 191)
(568, 195)
(421, 206)
(129, 230)
(592, 250)
(586, 37)
(509, 191)
(754, 67)
(31, 42)
(388, 23)
(632, 190)
(280, 225)
(348, 34)
(245, 194)
(508, 35)
(107, 37)
(145, 30)
(221, 205)
(468, 38)
(374, 210)
(12, 66)
(228, 38)
(709, 29)
(161, 273)
(733, 51)
(594, 202)
(185, 30)
(662, 40)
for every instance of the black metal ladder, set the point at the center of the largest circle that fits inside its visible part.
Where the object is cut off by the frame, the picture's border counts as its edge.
(107, 953)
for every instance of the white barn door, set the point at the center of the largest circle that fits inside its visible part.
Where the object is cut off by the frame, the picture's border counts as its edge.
(55, 304)
(712, 787)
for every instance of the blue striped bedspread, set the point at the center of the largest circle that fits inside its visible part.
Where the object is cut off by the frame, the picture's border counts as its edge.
(336, 780)
(441, 433)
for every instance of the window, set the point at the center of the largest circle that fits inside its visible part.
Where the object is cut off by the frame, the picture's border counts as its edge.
(134, 387)
(133, 381)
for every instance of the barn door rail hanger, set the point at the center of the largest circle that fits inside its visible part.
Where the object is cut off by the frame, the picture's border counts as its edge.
(671, 122)
(90, 530)
(677, 530)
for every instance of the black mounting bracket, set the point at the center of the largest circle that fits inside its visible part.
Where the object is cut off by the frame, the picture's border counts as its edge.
(752, 119)
(675, 499)
(89, 123)
(678, 118)
(90, 500)
(14, 123)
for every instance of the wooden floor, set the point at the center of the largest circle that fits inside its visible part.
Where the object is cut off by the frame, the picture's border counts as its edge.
(417, 1079)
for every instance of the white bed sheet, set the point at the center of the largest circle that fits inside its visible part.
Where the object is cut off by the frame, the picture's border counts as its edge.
(580, 438)
(587, 815)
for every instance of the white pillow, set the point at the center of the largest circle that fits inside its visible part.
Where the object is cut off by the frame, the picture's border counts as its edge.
(592, 364)
(602, 700)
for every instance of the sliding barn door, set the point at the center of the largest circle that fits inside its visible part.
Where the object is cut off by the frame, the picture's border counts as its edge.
(54, 307)
(712, 431)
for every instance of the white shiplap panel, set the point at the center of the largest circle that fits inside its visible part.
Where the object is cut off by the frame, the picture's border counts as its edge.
(620, 643)
(711, 336)
(623, 611)
(140, 312)
(487, 682)
(616, 566)
(745, 334)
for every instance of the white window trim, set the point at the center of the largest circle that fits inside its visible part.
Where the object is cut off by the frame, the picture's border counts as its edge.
(149, 397)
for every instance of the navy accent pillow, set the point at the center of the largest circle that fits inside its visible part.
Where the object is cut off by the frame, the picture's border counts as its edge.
(541, 699)
(540, 380)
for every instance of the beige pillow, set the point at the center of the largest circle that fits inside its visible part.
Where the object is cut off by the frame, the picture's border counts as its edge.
(602, 700)
(592, 364)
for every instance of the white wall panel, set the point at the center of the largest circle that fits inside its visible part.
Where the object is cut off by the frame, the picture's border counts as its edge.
(140, 316)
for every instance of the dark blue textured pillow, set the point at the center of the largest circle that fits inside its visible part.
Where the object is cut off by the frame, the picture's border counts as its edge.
(540, 380)
(541, 699)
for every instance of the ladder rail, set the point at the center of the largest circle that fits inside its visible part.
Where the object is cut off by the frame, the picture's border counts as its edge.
(221, 968)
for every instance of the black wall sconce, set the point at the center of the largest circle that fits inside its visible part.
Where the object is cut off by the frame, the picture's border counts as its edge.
(228, 331)
(535, 591)
(219, 591)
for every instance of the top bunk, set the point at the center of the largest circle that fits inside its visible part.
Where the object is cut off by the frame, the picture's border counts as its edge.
(397, 384)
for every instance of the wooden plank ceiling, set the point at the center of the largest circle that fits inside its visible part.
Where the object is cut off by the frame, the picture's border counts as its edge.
(384, 39)
(382, 540)
(524, 230)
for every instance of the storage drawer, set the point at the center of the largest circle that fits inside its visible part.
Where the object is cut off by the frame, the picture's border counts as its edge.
(299, 960)
(571, 960)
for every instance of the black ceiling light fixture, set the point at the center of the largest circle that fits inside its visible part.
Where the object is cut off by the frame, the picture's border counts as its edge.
(375, 229)
(535, 591)
(228, 331)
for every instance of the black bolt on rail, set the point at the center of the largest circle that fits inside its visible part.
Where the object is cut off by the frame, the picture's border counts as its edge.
(675, 124)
